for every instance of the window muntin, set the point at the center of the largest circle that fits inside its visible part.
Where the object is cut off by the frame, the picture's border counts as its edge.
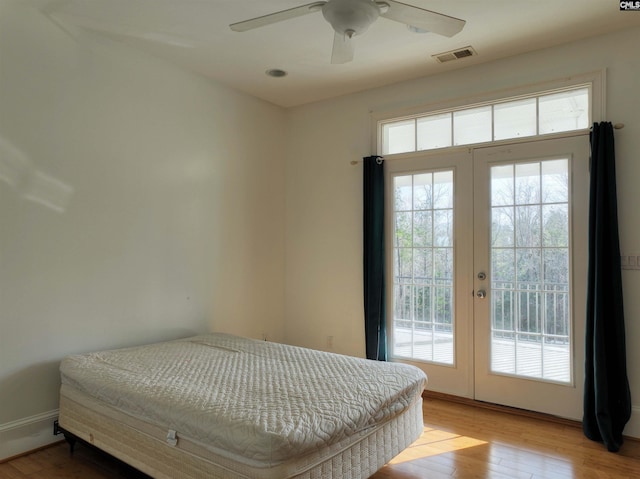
(533, 115)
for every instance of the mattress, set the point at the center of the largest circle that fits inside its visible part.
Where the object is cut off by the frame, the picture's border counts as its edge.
(251, 408)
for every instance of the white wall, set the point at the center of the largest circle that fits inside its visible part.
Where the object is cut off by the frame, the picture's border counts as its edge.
(137, 203)
(324, 204)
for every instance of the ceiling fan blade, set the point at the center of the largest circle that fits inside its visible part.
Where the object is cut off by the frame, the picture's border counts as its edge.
(342, 48)
(422, 19)
(276, 17)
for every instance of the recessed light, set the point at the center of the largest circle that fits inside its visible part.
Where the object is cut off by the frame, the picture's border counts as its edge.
(276, 73)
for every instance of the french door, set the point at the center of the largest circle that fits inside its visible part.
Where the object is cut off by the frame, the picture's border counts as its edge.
(431, 261)
(487, 253)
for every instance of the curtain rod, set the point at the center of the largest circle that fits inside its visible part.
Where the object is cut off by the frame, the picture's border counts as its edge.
(617, 126)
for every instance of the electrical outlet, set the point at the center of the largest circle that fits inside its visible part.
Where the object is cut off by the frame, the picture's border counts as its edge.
(630, 261)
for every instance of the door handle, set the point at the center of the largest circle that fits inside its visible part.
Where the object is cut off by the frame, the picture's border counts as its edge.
(481, 294)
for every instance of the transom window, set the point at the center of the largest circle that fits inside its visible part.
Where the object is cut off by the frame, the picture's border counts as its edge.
(538, 114)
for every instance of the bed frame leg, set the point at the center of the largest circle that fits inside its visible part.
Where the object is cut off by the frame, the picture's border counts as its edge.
(71, 440)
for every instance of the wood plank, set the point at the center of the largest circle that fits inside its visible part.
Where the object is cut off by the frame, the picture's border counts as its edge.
(496, 443)
(459, 440)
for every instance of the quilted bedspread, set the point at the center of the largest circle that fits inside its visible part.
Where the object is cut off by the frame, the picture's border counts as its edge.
(263, 401)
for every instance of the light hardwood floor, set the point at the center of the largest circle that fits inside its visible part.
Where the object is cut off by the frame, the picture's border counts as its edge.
(459, 440)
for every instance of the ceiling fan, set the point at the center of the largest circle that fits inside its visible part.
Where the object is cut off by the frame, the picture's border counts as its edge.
(353, 17)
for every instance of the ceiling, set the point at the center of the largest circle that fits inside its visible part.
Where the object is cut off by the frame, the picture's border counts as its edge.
(195, 34)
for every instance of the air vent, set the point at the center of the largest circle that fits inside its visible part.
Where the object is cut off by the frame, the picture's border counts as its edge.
(455, 54)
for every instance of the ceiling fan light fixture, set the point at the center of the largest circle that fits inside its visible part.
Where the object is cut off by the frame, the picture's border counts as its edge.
(349, 16)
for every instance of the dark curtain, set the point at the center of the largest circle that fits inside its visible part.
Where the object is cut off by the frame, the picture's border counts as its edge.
(374, 259)
(607, 399)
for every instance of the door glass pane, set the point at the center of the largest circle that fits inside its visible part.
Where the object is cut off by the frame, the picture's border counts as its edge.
(555, 187)
(403, 193)
(502, 188)
(530, 317)
(527, 184)
(423, 324)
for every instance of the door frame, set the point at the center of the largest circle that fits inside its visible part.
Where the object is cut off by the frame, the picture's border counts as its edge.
(461, 378)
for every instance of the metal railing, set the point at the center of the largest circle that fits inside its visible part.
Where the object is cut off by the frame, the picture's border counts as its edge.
(537, 312)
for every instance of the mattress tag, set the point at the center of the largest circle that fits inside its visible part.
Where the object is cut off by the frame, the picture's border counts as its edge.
(172, 438)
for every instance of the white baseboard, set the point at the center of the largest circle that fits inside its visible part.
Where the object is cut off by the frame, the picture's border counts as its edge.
(27, 434)
(632, 429)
